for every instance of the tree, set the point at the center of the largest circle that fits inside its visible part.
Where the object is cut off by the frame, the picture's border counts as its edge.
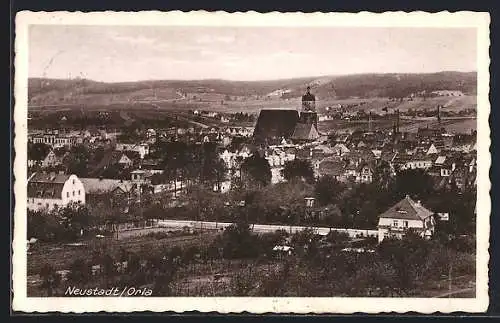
(306, 242)
(298, 169)
(37, 151)
(75, 218)
(77, 161)
(336, 237)
(108, 265)
(327, 190)
(50, 279)
(43, 227)
(382, 175)
(80, 272)
(414, 182)
(256, 169)
(238, 242)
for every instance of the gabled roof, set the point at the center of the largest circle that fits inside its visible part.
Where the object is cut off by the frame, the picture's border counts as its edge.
(275, 124)
(407, 209)
(305, 131)
(50, 186)
(341, 147)
(440, 160)
(324, 149)
(104, 185)
(49, 178)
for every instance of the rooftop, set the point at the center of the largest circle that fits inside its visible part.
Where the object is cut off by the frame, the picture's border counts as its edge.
(407, 209)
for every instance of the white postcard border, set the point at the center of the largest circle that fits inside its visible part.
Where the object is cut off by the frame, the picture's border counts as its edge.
(251, 304)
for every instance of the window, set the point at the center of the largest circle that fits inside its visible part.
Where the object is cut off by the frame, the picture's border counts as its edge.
(73, 182)
(405, 224)
(73, 193)
(395, 223)
(79, 192)
(47, 205)
(67, 194)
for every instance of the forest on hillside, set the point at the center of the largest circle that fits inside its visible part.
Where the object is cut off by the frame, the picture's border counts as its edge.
(57, 91)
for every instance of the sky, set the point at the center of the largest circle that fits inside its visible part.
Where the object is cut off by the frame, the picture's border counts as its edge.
(133, 53)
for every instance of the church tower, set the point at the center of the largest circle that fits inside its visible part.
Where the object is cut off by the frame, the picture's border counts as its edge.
(308, 113)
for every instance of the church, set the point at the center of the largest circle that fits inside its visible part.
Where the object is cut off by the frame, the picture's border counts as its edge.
(300, 125)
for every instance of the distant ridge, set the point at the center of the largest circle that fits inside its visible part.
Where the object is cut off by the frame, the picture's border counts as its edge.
(42, 91)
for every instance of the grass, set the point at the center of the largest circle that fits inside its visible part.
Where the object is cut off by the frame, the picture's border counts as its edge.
(61, 256)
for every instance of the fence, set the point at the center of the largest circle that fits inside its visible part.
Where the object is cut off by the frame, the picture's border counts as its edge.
(265, 228)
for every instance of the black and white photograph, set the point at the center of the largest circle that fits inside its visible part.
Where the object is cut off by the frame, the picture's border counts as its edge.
(259, 158)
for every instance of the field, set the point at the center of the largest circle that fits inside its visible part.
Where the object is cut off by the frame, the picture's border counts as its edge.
(60, 256)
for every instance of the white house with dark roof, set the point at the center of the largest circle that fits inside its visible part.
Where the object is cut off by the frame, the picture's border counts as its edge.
(46, 191)
(403, 216)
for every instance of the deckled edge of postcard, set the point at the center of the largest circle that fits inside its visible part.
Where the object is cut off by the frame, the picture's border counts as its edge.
(22, 303)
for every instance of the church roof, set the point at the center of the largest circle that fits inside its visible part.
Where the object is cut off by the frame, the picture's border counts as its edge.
(305, 131)
(273, 124)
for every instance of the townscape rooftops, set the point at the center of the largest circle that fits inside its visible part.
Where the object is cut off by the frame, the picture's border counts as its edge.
(407, 209)
(332, 167)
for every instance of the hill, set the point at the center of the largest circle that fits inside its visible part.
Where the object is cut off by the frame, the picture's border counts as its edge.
(46, 92)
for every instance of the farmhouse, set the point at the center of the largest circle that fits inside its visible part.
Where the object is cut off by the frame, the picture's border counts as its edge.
(106, 190)
(403, 216)
(47, 191)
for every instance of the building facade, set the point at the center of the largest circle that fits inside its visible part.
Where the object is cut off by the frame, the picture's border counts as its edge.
(47, 191)
(404, 216)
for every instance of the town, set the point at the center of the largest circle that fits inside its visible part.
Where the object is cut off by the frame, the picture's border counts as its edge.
(210, 203)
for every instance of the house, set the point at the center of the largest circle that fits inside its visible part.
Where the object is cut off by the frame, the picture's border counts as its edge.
(365, 174)
(54, 139)
(440, 160)
(406, 215)
(125, 160)
(323, 150)
(51, 159)
(340, 149)
(417, 162)
(106, 190)
(431, 150)
(140, 176)
(142, 149)
(277, 175)
(222, 187)
(47, 191)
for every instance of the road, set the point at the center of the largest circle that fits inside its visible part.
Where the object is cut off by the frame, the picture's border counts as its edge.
(262, 228)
